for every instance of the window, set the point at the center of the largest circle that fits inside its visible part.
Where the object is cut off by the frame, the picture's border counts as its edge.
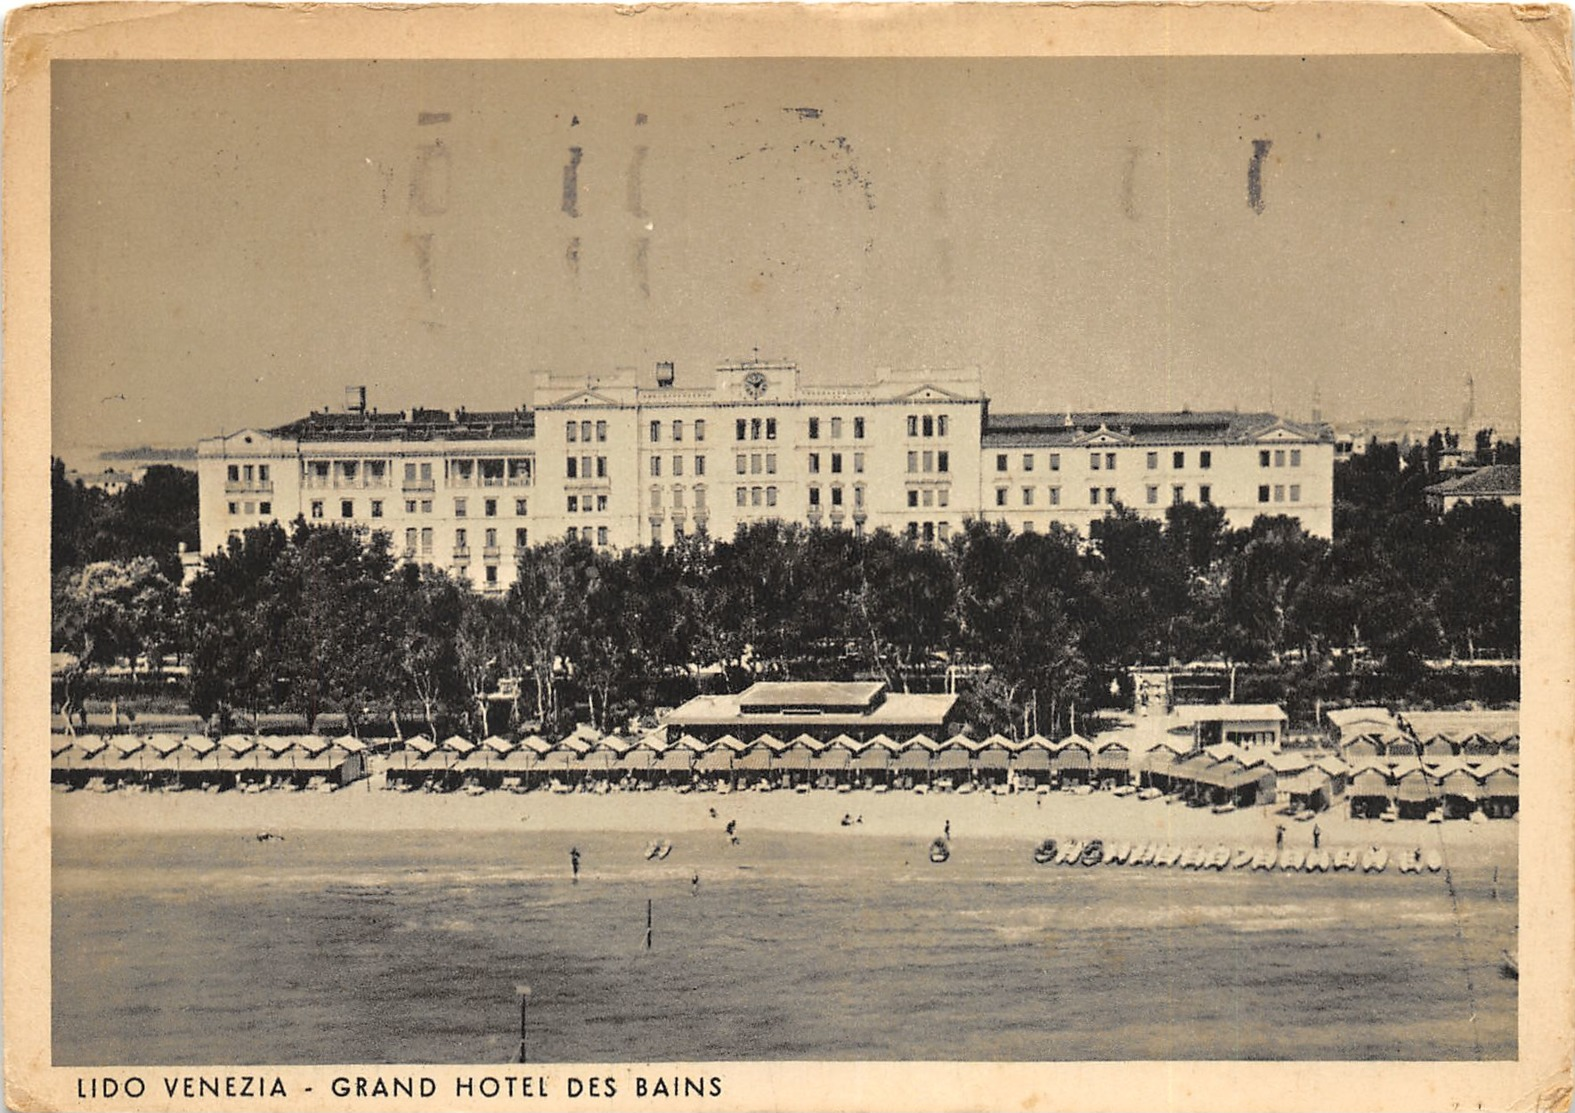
(1279, 457)
(913, 428)
(492, 573)
(699, 498)
(656, 467)
(459, 508)
(348, 469)
(743, 496)
(858, 498)
(267, 508)
(519, 506)
(1093, 496)
(814, 496)
(572, 533)
(1000, 496)
(1028, 527)
(462, 470)
(814, 463)
(519, 537)
(771, 428)
(836, 496)
(943, 460)
(262, 470)
(940, 426)
(1279, 492)
(913, 498)
(491, 539)
(741, 424)
(1205, 459)
(929, 532)
(699, 430)
(771, 463)
(913, 531)
(1028, 496)
(426, 541)
(929, 460)
(1055, 461)
(858, 428)
(1205, 494)
(585, 431)
(771, 496)
(836, 428)
(1296, 459)
(235, 473)
(1151, 494)
(235, 508)
(678, 465)
(1110, 461)
(571, 431)
(836, 463)
(1296, 494)
(913, 462)
(814, 428)
(858, 463)
(574, 504)
(601, 503)
(572, 467)
(1263, 493)
(1178, 459)
(656, 432)
(601, 535)
(1055, 496)
(585, 467)
(601, 467)
(755, 494)
(410, 541)
(656, 497)
(1263, 457)
(741, 463)
(377, 508)
(678, 430)
(1152, 460)
(346, 508)
(1000, 461)
(410, 506)
(699, 463)
(460, 540)
(426, 506)
(601, 430)
(489, 508)
(1110, 496)
(1178, 495)
(1094, 460)
(942, 497)
(320, 469)
(1028, 461)
(754, 463)
(754, 428)
(929, 426)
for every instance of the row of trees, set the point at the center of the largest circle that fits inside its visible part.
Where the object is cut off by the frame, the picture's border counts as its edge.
(315, 618)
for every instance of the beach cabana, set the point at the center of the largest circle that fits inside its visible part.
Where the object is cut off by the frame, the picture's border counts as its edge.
(1479, 745)
(1416, 793)
(1308, 787)
(1031, 765)
(715, 764)
(1156, 768)
(419, 746)
(1187, 774)
(538, 745)
(1501, 793)
(992, 762)
(1461, 790)
(953, 764)
(830, 766)
(691, 743)
(1113, 762)
(809, 742)
(912, 765)
(1370, 792)
(636, 766)
(1073, 760)
(576, 744)
(848, 743)
(1402, 747)
(1362, 746)
(771, 742)
(676, 766)
(729, 743)
(497, 744)
(871, 766)
(922, 741)
(1439, 746)
(792, 766)
(752, 765)
(457, 744)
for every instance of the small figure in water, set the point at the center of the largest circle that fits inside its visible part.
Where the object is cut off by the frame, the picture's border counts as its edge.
(574, 863)
(732, 831)
(1317, 834)
(948, 828)
(847, 819)
(694, 884)
(1279, 837)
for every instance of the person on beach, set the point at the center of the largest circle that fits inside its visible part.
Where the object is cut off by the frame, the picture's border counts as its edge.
(948, 828)
(1279, 837)
(732, 831)
(574, 863)
(1317, 835)
(694, 885)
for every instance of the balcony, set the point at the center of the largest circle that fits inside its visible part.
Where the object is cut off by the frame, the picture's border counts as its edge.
(461, 554)
(491, 552)
(410, 484)
(814, 515)
(248, 486)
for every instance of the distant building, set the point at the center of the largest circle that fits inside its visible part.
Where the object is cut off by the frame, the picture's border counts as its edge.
(822, 709)
(1497, 482)
(618, 463)
(1249, 725)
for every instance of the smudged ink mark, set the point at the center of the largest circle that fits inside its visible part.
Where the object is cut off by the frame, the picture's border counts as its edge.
(571, 183)
(636, 167)
(640, 118)
(422, 243)
(642, 265)
(571, 255)
(1129, 185)
(425, 118)
(429, 180)
(1260, 151)
(804, 113)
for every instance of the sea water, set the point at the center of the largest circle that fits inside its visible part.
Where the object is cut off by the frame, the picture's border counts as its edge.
(352, 947)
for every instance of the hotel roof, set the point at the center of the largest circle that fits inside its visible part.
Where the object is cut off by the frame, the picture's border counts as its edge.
(1498, 479)
(1071, 429)
(899, 709)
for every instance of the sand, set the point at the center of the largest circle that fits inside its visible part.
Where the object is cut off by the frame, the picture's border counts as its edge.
(363, 807)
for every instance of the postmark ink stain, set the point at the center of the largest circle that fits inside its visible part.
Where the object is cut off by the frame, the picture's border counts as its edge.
(571, 182)
(1260, 151)
(636, 202)
(425, 118)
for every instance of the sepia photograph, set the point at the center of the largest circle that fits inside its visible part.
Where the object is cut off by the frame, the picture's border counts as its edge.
(595, 570)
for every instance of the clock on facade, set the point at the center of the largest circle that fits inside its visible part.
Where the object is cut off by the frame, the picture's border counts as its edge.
(754, 384)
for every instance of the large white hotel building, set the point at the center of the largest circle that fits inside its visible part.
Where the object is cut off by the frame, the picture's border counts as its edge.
(620, 463)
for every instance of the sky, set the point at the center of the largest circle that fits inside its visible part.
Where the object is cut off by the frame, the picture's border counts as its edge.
(236, 242)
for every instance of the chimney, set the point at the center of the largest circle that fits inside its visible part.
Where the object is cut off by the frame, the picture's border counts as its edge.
(664, 374)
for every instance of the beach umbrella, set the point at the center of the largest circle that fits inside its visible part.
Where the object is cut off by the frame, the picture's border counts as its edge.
(238, 744)
(276, 743)
(125, 745)
(165, 744)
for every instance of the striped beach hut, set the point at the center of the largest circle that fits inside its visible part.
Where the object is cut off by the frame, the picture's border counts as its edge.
(1371, 792)
(871, 766)
(1073, 759)
(1501, 793)
(1416, 793)
(1113, 761)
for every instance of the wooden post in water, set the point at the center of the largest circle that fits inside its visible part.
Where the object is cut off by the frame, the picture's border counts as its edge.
(648, 923)
(524, 992)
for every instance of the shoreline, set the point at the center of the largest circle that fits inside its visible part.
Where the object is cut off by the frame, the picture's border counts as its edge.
(1015, 817)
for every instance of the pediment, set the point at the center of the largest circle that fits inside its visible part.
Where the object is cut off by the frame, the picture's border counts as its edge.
(929, 392)
(1100, 437)
(1279, 431)
(583, 398)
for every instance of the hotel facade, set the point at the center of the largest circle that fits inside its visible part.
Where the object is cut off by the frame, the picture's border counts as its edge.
(618, 463)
